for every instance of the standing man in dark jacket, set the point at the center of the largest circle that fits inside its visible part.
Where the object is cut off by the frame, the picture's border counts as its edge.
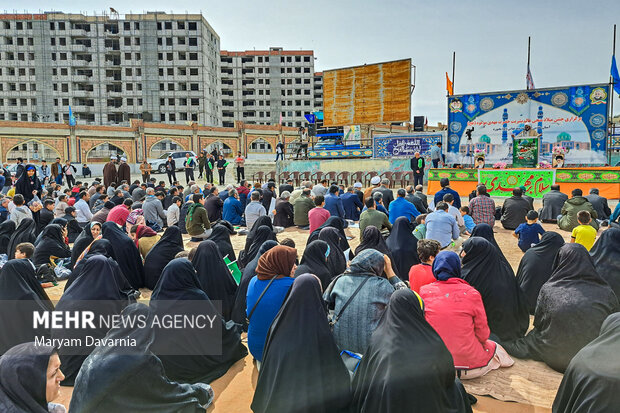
(189, 164)
(269, 193)
(170, 170)
(210, 164)
(221, 169)
(600, 204)
(19, 170)
(202, 163)
(352, 205)
(417, 165)
(514, 210)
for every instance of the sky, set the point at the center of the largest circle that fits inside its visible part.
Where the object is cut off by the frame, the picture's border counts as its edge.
(571, 40)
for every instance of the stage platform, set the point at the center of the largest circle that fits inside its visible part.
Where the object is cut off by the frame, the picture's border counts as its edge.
(500, 182)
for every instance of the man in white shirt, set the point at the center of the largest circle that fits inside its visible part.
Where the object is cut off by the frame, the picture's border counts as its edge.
(83, 214)
(173, 212)
(254, 210)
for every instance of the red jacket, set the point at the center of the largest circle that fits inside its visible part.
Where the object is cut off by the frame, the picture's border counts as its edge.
(455, 310)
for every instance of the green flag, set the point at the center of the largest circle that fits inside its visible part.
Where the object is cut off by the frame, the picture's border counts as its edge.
(234, 269)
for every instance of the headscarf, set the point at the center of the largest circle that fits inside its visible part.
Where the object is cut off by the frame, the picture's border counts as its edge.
(7, 228)
(127, 254)
(331, 222)
(319, 371)
(23, 378)
(263, 233)
(536, 266)
(368, 263)
(336, 262)
(214, 276)
(447, 265)
(314, 261)
(406, 367)
(97, 389)
(504, 303)
(26, 184)
(25, 232)
(485, 231)
(144, 231)
(168, 246)
(403, 246)
(179, 283)
(98, 247)
(263, 220)
(20, 295)
(83, 241)
(372, 238)
(277, 262)
(571, 308)
(220, 234)
(606, 255)
(98, 282)
(239, 315)
(52, 245)
(591, 382)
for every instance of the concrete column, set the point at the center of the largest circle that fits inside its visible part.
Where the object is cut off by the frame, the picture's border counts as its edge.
(73, 152)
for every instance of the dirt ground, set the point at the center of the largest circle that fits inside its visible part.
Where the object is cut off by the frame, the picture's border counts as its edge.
(234, 391)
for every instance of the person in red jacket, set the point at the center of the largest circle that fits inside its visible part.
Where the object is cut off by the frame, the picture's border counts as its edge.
(455, 310)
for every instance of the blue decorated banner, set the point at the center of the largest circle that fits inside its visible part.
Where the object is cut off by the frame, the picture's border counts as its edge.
(574, 118)
(388, 146)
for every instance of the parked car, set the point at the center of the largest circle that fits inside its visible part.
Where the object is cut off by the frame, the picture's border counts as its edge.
(158, 165)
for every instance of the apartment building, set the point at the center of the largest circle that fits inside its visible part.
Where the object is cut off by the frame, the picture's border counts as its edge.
(267, 87)
(154, 66)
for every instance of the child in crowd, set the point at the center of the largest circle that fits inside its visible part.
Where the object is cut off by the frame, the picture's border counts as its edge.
(584, 233)
(24, 250)
(467, 219)
(317, 216)
(420, 230)
(422, 274)
(527, 233)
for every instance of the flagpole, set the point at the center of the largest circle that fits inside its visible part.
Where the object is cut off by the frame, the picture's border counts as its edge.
(453, 65)
(529, 43)
(612, 129)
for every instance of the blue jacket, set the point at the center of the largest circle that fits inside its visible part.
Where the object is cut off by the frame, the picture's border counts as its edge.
(333, 204)
(457, 198)
(233, 210)
(352, 206)
(400, 207)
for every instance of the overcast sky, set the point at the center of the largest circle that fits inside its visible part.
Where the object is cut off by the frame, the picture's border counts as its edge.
(571, 40)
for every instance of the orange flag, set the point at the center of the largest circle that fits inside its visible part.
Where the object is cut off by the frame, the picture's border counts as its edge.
(449, 85)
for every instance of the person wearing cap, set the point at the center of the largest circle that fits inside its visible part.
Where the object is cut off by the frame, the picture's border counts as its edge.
(417, 165)
(374, 181)
(124, 171)
(445, 189)
(352, 204)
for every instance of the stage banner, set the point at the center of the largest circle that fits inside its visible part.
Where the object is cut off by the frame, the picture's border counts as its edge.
(388, 146)
(501, 182)
(573, 117)
(525, 152)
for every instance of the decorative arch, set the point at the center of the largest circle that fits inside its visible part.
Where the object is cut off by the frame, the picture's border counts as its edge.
(103, 151)
(33, 150)
(155, 148)
(222, 148)
(260, 145)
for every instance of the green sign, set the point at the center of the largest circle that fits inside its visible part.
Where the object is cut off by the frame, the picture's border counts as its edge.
(501, 182)
(525, 152)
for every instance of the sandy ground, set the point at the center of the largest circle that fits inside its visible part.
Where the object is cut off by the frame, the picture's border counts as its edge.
(234, 391)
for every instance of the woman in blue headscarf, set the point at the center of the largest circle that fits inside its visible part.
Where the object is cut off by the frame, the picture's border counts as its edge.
(28, 183)
(455, 310)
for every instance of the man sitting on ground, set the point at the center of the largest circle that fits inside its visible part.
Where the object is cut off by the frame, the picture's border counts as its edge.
(333, 203)
(400, 207)
(552, 201)
(233, 210)
(418, 193)
(514, 210)
(197, 222)
(388, 195)
(301, 207)
(422, 274)
(373, 217)
(599, 204)
(482, 207)
(284, 211)
(568, 220)
(415, 200)
(254, 210)
(445, 189)
(442, 227)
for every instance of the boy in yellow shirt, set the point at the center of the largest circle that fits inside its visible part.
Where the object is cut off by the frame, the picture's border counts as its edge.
(584, 234)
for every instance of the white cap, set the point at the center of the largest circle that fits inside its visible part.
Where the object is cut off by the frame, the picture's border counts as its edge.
(357, 185)
(375, 180)
(124, 159)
